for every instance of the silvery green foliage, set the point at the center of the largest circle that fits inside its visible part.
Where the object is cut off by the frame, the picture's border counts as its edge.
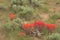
(37, 2)
(25, 8)
(54, 36)
(16, 4)
(13, 1)
(19, 4)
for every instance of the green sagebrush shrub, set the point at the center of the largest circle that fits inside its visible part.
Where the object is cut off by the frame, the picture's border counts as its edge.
(11, 27)
(26, 8)
(54, 36)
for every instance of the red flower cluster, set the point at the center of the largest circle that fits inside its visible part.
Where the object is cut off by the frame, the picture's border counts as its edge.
(36, 24)
(51, 27)
(40, 25)
(27, 26)
(11, 16)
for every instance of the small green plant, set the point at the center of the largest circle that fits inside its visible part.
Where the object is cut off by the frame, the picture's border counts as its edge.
(55, 16)
(54, 36)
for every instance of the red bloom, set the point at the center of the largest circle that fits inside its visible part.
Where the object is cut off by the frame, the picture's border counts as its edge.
(39, 24)
(32, 26)
(21, 33)
(27, 26)
(51, 26)
(11, 16)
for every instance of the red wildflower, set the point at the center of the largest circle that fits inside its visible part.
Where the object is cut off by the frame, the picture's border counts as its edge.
(11, 16)
(27, 26)
(39, 24)
(21, 33)
(32, 25)
(51, 26)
